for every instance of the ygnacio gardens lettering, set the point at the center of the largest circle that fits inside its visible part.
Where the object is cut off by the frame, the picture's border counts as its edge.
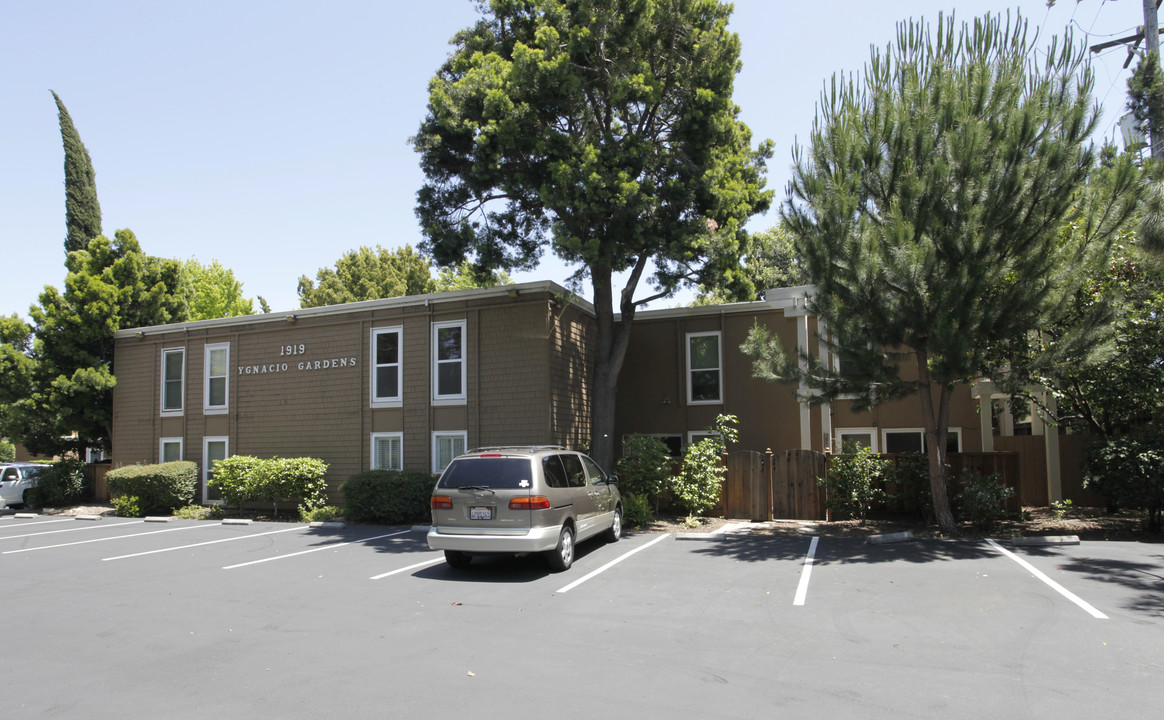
(301, 366)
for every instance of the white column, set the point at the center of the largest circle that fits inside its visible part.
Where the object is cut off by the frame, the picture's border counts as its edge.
(826, 409)
(985, 424)
(1051, 445)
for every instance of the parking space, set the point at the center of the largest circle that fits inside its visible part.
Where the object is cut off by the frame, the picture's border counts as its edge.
(735, 628)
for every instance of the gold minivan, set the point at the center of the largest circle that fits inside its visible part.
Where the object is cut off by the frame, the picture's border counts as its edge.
(522, 499)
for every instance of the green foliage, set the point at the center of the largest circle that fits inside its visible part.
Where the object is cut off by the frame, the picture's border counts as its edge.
(111, 285)
(982, 500)
(853, 484)
(82, 211)
(368, 274)
(192, 512)
(390, 497)
(1146, 96)
(243, 478)
(62, 483)
(324, 513)
(160, 488)
(7, 451)
(1129, 472)
(644, 467)
(1061, 508)
(637, 510)
(605, 133)
(698, 485)
(907, 486)
(928, 207)
(128, 506)
(771, 263)
(466, 277)
(211, 291)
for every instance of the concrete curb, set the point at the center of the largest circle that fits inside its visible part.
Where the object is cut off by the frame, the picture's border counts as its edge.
(328, 524)
(87, 517)
(236, 521)
(26, 516)
(890, 538)
(158, 518)
(1046, 540)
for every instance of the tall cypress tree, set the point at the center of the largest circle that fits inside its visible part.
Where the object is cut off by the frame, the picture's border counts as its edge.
(82, 211)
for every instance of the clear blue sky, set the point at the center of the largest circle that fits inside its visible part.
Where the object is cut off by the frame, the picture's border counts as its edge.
(273, 136)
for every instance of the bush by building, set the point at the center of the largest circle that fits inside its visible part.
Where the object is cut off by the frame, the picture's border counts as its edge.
(160, 488)
(390, 497)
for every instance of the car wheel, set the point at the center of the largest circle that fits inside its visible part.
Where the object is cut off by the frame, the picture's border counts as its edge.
(562, 557)
(615, 531)
(457, 559)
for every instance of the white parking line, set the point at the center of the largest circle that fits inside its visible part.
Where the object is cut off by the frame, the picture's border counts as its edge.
(802, 588)
(79, 529)
(610, 564)
(208, 542)
(410, 567)
(1054, 585)
(113, 537)
(329, 546)
(12, 525)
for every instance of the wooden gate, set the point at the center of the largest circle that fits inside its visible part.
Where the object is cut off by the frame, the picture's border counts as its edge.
(795, 492)
(746, 492)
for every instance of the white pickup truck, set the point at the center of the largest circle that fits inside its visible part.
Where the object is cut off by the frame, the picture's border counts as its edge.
(16, 479)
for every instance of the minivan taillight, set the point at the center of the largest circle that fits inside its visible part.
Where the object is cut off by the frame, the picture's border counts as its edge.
(441, 502)
(530, 502)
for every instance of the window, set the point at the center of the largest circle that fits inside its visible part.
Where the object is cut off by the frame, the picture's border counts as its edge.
(386, 451)
(173, 380)
(913, 440)
(213, 450)
(386, 367)
(575, 475)
(170, 449)
(703, 363)
(674, 443)
(217, 387)
(597, 476)
(861, 437)
(445, 447)
(448, 374)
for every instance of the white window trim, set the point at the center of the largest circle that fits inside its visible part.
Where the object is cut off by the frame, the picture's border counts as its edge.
(838, 440)
(206, 465)
(181, 409)
(166, 441)
(458, 399)
(392, 402)
(719, 368)
(398, 436)
(694, 436)
(438, 436)
(207, 408)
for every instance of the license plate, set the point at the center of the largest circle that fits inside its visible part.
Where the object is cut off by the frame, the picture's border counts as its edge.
(480, 513)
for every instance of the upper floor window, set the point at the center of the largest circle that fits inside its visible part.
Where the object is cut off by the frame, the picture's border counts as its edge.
(173, 381)
(385, 364)
(448, 356)
(217, 384)
(704, 376)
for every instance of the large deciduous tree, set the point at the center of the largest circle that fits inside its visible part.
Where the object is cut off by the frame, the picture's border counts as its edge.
(82, 211)
(111, 285)
(604, 130)
(928, 208)
(367, 274)
(212, 291)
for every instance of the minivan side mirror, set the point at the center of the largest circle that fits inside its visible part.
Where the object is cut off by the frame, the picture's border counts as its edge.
(612, 479)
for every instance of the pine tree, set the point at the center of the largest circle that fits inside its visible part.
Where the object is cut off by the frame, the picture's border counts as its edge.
(82, 211)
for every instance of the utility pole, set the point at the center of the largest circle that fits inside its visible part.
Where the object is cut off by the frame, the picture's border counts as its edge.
(1152, 45)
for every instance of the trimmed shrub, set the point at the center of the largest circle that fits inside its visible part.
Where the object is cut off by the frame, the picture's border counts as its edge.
(7, 451)
(390, 497)
(243, 478)
(644, 467)
(62, 483)
(982, 499)
(853, 483)
(128, 506)
(159, 488)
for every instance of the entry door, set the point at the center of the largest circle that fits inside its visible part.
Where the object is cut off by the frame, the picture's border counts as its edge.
(213, 450)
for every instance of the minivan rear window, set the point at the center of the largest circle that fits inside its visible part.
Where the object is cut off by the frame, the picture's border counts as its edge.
(493, 473)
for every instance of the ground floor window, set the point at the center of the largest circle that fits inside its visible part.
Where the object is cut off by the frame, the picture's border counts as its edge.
(170, 449)
(913, 440)
(849, 439)
(387, 451)
(213, 450)
(445, 447)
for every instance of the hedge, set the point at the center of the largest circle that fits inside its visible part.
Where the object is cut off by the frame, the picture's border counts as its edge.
(158, 488)
(390, 497)
(242, 479)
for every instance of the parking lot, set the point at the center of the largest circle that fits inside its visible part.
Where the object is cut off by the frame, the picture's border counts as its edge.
(117, 618)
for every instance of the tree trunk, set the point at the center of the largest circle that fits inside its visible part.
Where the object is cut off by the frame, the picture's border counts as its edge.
(610, 352)
(937, 429)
